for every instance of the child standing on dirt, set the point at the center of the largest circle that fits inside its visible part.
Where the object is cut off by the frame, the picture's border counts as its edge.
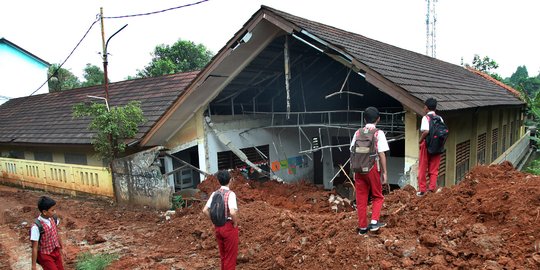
(427, 162)
(227, 233)
(46, 242)
(371, 183)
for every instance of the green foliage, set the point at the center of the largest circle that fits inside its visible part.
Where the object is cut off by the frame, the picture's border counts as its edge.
(486, 65)
(182, 56)
(93, 75)
(88, 261)
(178, 202)
(112, 127)
(61, 79)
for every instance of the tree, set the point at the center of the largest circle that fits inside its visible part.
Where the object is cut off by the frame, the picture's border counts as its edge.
(486, 65)
(112, 126)
(93, 75)
(182, 56)
(61, 79)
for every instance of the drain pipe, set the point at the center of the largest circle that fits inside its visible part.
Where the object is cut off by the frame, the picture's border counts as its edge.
(227, 142)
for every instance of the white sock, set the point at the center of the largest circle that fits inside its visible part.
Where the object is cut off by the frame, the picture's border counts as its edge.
(373, 221)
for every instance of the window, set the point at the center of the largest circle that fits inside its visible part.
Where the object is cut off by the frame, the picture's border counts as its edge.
(228, 160)
(462, 160)
(504, 131)
(481, 153)
(43, 156)
(441, 179)
(16, 154)
(512, 132)
(75, 158)
(494, 144)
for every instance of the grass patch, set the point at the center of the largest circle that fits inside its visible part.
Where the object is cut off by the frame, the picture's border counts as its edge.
(89, 261)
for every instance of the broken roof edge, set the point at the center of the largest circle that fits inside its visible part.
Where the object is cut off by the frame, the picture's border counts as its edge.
(497, 82)
(255, 19)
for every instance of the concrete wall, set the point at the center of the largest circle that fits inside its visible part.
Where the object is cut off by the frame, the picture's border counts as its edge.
(245, 132)
(138, 182)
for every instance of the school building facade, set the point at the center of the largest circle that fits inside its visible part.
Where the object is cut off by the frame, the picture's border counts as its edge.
(283, 97)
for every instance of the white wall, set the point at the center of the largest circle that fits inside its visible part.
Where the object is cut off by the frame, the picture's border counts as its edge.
(20, 75)
(283, 151)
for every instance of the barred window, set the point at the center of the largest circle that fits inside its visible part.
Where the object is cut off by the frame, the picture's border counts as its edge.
(481, 153)
(513, 132)
(494, 144)
(228, 160)
(441, 179)
(503, 137)
(75, 158)
(462, 159)
(43, 156)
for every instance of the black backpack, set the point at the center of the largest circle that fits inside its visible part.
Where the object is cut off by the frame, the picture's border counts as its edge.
(438, 133)
(218, 207)
(364, 151)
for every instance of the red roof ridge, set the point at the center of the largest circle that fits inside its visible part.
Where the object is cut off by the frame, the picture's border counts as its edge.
(497, 82)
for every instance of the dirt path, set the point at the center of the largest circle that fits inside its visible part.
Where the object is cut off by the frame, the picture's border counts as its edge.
(489, 221)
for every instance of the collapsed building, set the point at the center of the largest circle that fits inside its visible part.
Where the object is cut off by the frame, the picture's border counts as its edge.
(282, 99)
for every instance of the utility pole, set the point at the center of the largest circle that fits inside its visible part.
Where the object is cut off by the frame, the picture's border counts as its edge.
(104, 55)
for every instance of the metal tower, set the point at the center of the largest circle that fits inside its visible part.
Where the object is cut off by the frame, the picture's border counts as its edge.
(431, 22)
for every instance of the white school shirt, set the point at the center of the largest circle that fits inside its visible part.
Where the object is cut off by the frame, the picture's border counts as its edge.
(34, 231)
(424, 126)
(232, 199)
(382, 143)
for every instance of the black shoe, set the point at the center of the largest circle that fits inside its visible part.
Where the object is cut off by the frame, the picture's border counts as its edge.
(362, 231)
(376, 226)
(420, 194)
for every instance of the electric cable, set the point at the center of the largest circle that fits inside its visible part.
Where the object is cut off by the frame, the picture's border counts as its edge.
(71, 53)
(155, 12)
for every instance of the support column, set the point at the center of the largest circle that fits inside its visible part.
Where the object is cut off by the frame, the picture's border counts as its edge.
(168, 168)
(473, 154)
(328, 168)
(412, 130)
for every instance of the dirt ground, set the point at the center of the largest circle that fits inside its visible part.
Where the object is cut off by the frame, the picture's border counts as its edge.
(491, 220)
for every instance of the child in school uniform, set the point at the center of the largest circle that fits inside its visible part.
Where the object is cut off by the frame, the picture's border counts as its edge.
(46, 242)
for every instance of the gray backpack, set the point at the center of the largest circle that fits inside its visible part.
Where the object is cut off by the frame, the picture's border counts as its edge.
(364, 151)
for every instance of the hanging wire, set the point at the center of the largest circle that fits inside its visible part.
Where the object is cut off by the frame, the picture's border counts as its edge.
(155, 12)
(72, 51)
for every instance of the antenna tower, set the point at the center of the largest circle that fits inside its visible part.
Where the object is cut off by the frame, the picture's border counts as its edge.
(431, 22)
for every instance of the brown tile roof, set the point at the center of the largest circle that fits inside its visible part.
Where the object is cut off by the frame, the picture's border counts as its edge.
(491, 79)
(47, 118)
(453, 86)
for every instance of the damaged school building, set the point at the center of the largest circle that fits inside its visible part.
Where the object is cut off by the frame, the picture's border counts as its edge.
(281, 100)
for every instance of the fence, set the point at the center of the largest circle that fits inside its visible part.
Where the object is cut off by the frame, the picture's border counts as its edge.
(57, 176)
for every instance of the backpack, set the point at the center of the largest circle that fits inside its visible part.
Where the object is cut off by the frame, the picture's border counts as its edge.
(364, 152)
(438, 133)
(219, 208)
(40, 227)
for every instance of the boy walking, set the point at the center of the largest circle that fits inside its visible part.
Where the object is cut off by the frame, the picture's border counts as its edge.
(427, 161)
(46, 242)
(226, 234)
(370, 183)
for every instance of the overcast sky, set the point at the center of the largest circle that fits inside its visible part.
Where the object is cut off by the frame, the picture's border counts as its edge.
(504, 30)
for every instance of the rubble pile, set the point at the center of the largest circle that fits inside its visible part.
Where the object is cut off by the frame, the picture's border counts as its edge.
(490, 220)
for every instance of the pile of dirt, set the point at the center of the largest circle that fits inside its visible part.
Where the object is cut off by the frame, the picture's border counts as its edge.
(489, 220)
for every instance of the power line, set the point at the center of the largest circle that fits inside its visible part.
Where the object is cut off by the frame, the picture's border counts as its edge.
(72, 51)
(155, 12)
